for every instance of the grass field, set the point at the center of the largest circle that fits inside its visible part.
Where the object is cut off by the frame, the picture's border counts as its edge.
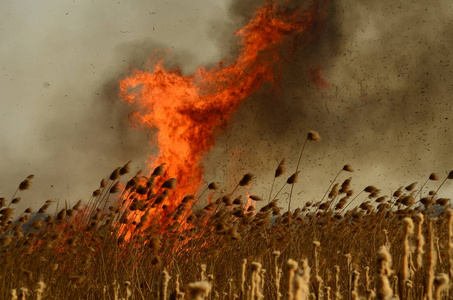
(131, 240)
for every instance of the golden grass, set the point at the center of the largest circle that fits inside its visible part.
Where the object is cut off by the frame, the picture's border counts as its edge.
(137, 245)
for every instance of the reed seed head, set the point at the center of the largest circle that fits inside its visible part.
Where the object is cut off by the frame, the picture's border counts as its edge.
(443, 201)
(115, 174)
(433, 176)
(158, 171)
(397, 193)
(370, 189)
(170, 184)
(293, 178)
(246, 179)
(280, 169)
(24, 185)
(103, 183)
(313, 136)
(199, 290)
(213, 186)
(334, 191)
(345, 185)
(408, 201)
(125, 169)
(115, 188)
(347, 168)
(255, 198)
(411, 186)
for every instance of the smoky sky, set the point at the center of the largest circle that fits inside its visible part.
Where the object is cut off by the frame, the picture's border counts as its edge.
(60, 116)
(387, 110)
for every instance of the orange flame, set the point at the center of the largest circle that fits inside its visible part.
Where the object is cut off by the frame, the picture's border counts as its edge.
(187, 110)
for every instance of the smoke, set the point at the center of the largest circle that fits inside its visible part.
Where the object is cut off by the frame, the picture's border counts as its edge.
(61, 119)
(387, 109)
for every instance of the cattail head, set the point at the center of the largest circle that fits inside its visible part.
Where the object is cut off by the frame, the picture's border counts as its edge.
(238, 201)
(61, 215)
(43, 208)
(280, 169)
(115, 188)
(24, 185)
(103, 183)
(246, 180)
(133, 182)
(334, 191)
(15, 200)
(427, 201)
(313, 136)
(324, 206)
(158, 171)
(115, 174)
(199, 290)
(293, 178)
(255, 198)
(77, 205)
(188, 198)
(383, 255)
(255, 266)
(370, 189)
(408, 225)
(433, 176)
(381, 199)
(420, 240)
(374, 194)
(292, 265)
(213, 186)
(440, 283)
(398, 192)
(345, 185)
(382, 283)
(96, 193)
(443, 201)
(340, 205)
(408, 201)
(170, 184)
(347, 168)
(125, 169)
(411, 186)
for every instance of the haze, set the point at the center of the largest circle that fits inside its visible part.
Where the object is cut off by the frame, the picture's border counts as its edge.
(387, 110)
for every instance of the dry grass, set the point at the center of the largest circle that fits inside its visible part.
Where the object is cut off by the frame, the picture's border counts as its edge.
(130, 240)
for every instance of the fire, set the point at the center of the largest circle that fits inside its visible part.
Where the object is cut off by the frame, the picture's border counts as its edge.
(189, 111)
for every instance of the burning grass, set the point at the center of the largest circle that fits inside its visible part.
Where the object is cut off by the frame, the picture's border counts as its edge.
(128, 242)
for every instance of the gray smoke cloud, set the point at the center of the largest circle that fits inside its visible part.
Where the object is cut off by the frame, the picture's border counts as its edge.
(60, 116)
(386, 111)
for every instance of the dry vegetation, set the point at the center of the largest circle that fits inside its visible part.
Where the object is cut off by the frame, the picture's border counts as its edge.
(129, 242)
